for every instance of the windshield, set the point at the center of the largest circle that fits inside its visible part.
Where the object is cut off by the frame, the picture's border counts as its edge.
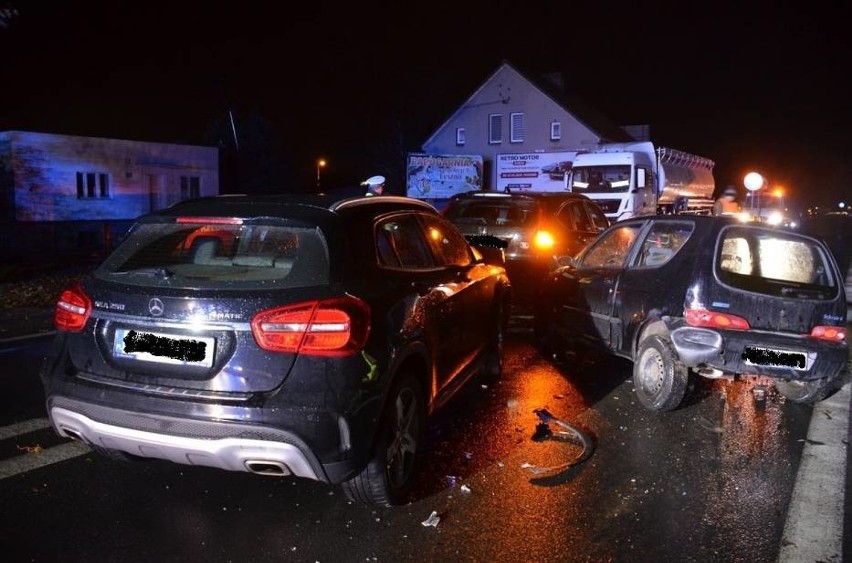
(601, 179)
(229, 256)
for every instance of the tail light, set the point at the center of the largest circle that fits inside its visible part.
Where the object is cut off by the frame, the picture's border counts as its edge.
(72, 310)
(830, 333)
(544, 240)
(712, 319)
(330, 327)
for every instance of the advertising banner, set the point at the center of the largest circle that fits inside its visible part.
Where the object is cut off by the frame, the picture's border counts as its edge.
(534, 171)
(436, 176)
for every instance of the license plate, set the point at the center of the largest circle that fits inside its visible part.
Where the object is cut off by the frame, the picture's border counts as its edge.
(777, 358)
(163, 348)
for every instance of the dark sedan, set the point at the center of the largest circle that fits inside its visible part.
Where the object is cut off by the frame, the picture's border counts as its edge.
(708, 296)
(278, 335)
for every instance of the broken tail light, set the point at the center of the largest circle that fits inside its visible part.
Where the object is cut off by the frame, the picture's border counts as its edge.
(329, 327)
(712, 319)
(72, 310)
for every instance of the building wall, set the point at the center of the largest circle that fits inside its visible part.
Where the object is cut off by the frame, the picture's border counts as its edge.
(7, 179)
(507, 92)
(71, 178)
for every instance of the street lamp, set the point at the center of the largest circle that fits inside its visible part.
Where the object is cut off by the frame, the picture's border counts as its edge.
(753, 181)
(320, 166)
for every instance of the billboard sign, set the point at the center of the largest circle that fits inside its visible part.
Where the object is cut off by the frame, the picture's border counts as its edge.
(441, 176)
(534, 171)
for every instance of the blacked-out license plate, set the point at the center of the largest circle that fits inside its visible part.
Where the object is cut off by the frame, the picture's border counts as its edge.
(775, 358)
(163, 348)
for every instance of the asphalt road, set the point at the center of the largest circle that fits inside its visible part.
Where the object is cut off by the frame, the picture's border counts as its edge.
(712, 481)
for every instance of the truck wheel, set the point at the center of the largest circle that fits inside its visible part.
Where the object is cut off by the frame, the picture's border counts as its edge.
(809, 391)
(389, 476)
(659, 376)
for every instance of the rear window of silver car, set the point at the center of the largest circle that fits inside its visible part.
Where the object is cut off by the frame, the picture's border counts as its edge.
(224, 256)
(774, 262)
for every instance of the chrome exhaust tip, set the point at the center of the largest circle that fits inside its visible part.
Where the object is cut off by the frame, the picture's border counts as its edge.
(268, 468)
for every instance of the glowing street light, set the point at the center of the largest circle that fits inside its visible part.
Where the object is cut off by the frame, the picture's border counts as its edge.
(320, 165)
(753, 181)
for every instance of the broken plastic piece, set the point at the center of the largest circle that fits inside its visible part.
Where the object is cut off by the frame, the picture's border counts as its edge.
(452, 480)
(464, 489)
(432, 520)
(542, 432)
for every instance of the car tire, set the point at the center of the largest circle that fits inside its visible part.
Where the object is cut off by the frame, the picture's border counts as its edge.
(659, 376)
(492, 367)
(810, 392)
(389, 476)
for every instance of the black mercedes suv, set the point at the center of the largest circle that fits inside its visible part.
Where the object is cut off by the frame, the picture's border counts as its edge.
(279, 335)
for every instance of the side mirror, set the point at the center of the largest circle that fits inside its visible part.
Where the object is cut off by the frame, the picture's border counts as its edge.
(563, 261)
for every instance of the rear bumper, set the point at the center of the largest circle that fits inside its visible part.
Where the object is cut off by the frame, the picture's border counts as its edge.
(735, 352)
(285, 455)
(270, 440)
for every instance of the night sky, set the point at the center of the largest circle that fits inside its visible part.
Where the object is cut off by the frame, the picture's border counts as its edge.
(766, 87)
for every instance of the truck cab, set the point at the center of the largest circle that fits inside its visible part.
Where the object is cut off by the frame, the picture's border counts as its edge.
(632, 179)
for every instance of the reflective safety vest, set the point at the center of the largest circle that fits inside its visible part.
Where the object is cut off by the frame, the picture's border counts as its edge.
(725, 206)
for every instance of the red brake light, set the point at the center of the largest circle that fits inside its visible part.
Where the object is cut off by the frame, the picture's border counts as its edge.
(72, 310)
(331, 327)
(830, 333)
(702, 317)
(210, 220)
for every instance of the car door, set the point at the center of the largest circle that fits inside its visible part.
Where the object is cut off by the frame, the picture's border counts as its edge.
(468, 292)
(655, 280)
(431, 310)
(597, 273)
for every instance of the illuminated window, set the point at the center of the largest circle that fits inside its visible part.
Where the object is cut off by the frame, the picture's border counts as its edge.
(495, 129)
(517, 122)
(92, 185)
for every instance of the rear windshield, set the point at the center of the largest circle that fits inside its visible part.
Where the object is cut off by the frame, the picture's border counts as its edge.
(219, 256)
(493, 213)
(775, 263)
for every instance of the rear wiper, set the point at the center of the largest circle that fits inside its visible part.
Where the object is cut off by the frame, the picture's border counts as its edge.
(164, 273)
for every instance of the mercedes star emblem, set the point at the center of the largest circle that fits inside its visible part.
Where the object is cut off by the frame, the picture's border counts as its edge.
(156, 307)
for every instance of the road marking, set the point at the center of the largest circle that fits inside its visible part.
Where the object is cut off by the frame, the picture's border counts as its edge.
(814, 527)
(24, 427)
(30, 461)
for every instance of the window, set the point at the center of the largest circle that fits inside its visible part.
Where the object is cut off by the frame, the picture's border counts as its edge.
(611, 250)
(400, 244)
(774, 263)
(663, 241)
(598, 218)
(460, 136)
(517, 122)
(555, 131)
(190, 187)
(92, 185)
(495, 129)
(448, 245)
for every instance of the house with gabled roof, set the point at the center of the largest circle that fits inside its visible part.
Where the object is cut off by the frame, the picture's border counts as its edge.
(512, 112)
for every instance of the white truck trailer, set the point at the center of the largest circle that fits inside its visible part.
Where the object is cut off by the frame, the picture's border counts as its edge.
(629, 179)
